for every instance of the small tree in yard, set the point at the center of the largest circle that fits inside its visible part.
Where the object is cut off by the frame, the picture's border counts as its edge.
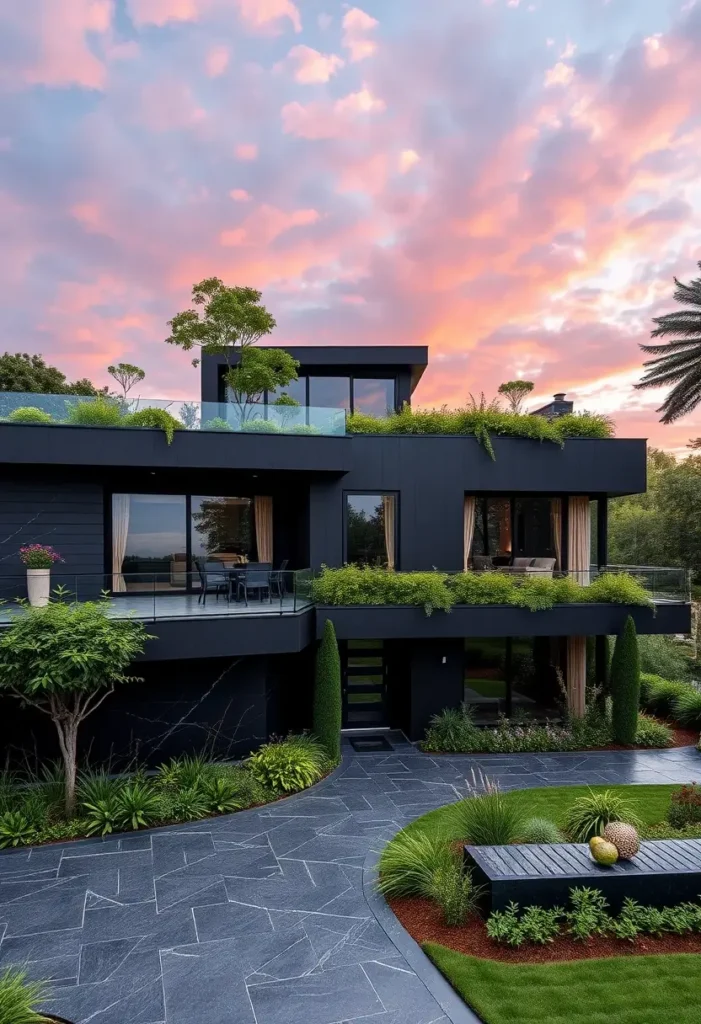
(327, 693)
(64, 660)
(624, 684)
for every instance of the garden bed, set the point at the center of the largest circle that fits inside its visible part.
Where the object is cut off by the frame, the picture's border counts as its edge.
(423, 920)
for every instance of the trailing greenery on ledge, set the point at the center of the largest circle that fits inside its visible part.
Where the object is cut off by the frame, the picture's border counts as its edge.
(483, 422)
(354, 585)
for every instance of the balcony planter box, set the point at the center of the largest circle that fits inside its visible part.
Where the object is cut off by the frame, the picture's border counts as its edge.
(397, 622)
(38, 587)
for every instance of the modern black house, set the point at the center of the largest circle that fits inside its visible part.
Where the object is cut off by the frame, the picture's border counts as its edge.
(214, 540)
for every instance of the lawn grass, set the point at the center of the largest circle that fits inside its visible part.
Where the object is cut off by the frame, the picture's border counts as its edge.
(618, 990)
(486, 687)
(650, 803)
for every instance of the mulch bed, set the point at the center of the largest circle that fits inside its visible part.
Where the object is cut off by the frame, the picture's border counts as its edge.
(423, 920)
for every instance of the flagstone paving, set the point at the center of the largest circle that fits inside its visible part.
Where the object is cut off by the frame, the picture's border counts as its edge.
(262, 917)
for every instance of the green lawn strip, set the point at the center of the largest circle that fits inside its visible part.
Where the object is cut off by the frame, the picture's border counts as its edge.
(487, 687)
(650, 803)
(618, 990)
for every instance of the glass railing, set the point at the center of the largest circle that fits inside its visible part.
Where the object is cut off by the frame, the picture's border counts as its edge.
(176, 594)
(75, 410)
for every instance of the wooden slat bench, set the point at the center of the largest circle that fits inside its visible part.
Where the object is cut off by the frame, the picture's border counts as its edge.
(665, 871)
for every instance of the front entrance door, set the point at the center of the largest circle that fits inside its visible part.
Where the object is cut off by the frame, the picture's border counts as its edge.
(364, 684)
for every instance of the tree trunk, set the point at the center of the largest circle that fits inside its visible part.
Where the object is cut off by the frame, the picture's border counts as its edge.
(68, 741)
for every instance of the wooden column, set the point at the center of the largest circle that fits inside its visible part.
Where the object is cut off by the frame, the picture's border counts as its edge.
(576, 674)
(602, 531)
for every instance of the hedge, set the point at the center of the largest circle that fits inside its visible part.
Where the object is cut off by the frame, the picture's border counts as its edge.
(327, 693)
(625, 685)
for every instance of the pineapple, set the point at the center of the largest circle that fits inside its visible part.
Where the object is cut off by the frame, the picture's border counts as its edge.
(624, 837)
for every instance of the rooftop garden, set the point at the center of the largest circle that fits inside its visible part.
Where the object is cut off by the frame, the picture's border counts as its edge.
(365, 585)
(483, 421)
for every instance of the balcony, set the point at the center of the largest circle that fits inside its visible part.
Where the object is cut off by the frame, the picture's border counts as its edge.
(69, 430)
(269, 613)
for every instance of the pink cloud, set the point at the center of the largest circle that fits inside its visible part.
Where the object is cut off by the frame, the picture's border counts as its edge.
(261, 14)
(216, 61)
(160, 12)
(265, 224)
(326, 120)
(310, 66)
(358, 30)
(62, 35)
(246, 151)
(240, 195)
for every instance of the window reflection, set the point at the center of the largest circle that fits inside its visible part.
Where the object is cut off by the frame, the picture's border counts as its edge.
(375, 397)
(296, 389)
(149, 547)
(371, 529)
(330, 392)
(222, 529)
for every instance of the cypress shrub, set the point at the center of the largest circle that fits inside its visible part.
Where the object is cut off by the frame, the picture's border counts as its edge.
(327, 693)
(625, 685)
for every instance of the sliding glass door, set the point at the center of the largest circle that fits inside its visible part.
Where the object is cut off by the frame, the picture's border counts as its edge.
(222, 529)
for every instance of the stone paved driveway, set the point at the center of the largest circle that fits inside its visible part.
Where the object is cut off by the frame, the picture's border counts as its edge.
(261, 917)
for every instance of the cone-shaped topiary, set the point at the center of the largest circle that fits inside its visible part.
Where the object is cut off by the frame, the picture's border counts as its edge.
(625, 685)
(327, 693)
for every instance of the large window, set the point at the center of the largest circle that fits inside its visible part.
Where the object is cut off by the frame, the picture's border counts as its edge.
(159, 539)
(222, 529)
(296, 389)
(513, 676)
(373, 397)
(507, 528)
(330, 392)
(149, 546)
(371, 529)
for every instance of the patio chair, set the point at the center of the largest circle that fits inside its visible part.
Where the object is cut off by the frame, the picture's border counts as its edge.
(254, 578)
(212, 579)
(542, 566)
(277, 580)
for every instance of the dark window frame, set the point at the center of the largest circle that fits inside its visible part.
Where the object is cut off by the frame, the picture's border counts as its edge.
(351, 377)
(397, 531)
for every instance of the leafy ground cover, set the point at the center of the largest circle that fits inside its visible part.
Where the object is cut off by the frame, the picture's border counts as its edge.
(635, 990)
(187, 788)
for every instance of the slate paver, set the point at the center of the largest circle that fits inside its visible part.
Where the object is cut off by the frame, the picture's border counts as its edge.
(258, 917)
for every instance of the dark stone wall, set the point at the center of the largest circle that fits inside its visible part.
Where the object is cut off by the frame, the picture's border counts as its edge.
(226, 706)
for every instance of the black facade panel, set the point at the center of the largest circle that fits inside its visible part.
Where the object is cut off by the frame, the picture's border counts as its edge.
(228, 636)
(191, 449)
(384, 622)
(437, 680)
(67, 515)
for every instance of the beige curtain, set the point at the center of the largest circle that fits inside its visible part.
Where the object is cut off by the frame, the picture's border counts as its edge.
(468, 522)
(556, 525)
(579, 539)
(120, 532)
(576, 674)
(263, 512)
(505, 545)
(389, 516)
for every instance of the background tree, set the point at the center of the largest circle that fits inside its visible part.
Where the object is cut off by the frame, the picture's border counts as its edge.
(515, 392)
(260, 370)
(327, 693)
(229, 318)
(24, 372)
(65, 660)
(126, 375)
(677, 362)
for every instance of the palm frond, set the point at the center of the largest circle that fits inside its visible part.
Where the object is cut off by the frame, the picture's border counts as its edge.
(677, 361)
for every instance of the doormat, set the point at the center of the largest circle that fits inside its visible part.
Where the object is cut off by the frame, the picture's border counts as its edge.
(370, 744)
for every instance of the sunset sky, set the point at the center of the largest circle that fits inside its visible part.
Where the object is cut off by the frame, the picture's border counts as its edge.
(513, 182)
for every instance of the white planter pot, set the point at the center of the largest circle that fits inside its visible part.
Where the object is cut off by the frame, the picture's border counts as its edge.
(38, 587)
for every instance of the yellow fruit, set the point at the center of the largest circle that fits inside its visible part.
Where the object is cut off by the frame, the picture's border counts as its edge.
(604, 853)
(594, 840)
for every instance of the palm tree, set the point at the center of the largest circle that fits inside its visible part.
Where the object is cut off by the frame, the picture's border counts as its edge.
(677, 361)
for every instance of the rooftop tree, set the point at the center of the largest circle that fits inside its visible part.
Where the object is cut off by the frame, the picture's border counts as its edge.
(65, 660)
(260, 370)
(515, 392)
(126, 375)
(226, 319)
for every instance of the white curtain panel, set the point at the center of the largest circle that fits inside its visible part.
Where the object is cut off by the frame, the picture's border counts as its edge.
(468, 522)
(263, 513)
(576, 674)
(556, 524)
(389, 516)
(120, 532)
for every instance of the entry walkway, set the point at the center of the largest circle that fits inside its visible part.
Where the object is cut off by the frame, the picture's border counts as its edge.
(263, 917)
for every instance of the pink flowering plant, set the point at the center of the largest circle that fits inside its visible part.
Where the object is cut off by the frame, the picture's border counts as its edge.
(39, 556)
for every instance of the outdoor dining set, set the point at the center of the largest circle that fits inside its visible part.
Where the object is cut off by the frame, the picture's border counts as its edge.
(237, 581)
